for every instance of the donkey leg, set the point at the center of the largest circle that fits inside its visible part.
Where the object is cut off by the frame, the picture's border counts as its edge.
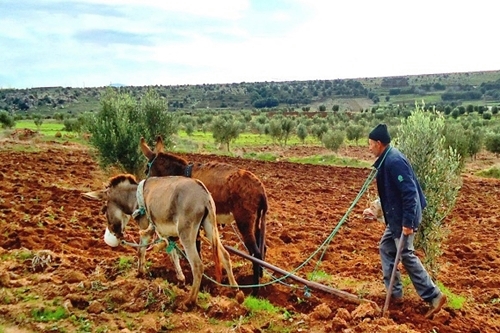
(196, 270)
(174, 256)
(245, 221)
(144, 239)
(226, 262)
(142, 255)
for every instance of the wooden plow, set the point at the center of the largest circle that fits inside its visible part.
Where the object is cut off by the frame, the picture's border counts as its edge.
(314, 285)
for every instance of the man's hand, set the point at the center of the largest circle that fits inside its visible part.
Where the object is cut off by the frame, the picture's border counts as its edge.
(407, 231)
(368, 214)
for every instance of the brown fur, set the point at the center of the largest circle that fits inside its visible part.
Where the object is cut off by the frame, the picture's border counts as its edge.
(234, 190)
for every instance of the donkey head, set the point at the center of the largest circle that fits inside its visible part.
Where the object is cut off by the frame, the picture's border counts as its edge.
(117, 207)
(161, 163)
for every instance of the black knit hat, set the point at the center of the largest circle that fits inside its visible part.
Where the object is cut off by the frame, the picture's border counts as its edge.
(380, 133)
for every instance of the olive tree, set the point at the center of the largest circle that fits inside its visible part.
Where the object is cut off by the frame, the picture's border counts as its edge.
(437, 166)
(225, 130)
(6, 120)
(115, 132)
(333, 140)
(302, 132)
(119, 124)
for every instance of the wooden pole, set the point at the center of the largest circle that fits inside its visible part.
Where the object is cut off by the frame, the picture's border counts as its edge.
(339, 293)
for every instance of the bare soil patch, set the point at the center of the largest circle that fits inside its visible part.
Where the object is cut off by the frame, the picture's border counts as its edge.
(44, 216)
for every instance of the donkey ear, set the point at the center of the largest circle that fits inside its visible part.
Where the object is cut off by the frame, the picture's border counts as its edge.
(96, 195)
(145, 149)
(159, 144)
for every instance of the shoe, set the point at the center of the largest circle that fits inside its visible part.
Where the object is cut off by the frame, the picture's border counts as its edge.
(436, 305)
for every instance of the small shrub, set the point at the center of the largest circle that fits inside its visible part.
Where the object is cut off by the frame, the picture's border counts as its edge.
(6, 121)
(333, 140)
(492, 143)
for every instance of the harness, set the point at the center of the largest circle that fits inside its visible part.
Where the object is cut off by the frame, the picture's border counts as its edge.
(189, 170)
(141, 211)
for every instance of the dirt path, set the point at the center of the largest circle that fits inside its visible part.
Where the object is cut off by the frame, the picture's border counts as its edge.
(42, 213)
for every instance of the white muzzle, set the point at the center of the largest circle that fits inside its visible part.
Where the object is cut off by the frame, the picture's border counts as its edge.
(110, 239)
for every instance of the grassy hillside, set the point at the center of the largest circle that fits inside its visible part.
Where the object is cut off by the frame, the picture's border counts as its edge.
(474, 88)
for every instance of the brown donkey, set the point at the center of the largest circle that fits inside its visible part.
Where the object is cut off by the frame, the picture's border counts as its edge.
(238, 194)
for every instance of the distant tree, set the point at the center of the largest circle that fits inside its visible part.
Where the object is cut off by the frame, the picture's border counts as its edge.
(487, 115)
(470, 108)
(494, 109)
(492, 143)
(476, 141)
(38, 120)
(225, 130)
(275, 131)
(318, 130)
(6, 120)
(354, 132)
(322, 108)
(333, 140)
(302, 132)
(59, 116)
(71, 125)
(189, 127)
(335, 107)
(287, 126)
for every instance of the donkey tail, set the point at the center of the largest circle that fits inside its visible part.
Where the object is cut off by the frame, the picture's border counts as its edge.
(212, 224)
(261, 216)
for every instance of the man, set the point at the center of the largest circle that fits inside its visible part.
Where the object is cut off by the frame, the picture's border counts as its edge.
(402, 202)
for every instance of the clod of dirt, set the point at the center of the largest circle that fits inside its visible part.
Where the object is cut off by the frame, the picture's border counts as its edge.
(95, 307)
(239, 297)
(364, 310)
(322, 311)
(75, 277)
(4, 279)
(343, 314)
(149, 324)
(337, 325)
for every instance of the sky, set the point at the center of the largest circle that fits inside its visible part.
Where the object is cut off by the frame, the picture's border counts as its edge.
(93, 43)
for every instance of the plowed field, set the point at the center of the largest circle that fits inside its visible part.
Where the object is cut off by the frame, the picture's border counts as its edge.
(53, 255)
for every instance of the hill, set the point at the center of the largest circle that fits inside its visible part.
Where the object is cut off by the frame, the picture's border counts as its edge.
(476, 88)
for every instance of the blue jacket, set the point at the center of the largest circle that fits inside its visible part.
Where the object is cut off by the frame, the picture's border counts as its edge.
(400, 193)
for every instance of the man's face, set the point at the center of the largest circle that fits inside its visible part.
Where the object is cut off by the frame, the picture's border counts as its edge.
(376, 147)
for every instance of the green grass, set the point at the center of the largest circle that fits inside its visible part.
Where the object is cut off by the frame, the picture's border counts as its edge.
(45, 314)
(245, 139)
(125, 263)
(254, 305)
(319, 276)
(493, 172)
(455, 302)
(330, 160)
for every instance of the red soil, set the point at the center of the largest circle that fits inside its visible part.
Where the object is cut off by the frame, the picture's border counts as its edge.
(43, 213)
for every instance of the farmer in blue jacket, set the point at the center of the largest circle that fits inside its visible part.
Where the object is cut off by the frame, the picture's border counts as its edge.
(402, 202)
